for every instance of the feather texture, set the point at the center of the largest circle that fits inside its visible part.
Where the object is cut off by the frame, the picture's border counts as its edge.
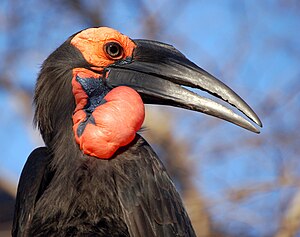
(129, 195)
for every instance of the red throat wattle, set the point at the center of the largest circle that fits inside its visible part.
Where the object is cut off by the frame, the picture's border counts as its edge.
(115, 122)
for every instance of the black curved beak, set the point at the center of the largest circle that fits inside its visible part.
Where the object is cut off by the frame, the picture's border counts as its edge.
(158, 72)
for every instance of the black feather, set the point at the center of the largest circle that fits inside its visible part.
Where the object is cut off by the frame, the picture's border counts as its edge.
(53, 98)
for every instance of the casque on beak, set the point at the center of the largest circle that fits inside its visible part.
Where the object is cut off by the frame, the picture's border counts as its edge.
(158, 72)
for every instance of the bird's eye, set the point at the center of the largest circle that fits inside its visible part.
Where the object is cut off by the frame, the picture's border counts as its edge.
(113, 50)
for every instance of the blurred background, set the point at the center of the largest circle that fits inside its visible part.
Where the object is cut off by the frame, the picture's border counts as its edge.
(233, 182)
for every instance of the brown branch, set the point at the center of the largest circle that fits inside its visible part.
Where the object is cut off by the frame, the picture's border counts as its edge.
(240, 194)
(290, 222)
(8, 187)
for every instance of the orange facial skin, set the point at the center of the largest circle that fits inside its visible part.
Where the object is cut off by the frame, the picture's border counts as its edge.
(116, 121)
(91, 44)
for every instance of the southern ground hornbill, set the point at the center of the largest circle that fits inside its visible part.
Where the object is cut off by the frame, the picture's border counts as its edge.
(96, 176)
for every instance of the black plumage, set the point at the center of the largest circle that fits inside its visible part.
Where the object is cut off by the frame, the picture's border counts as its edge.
(63, 192)
(129, 195)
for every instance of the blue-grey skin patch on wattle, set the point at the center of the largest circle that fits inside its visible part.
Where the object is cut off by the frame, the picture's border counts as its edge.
(96, 90)
(89, 119)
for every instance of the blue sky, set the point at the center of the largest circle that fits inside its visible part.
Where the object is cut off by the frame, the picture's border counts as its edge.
(251, 45)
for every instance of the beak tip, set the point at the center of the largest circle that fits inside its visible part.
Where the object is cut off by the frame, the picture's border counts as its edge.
(255, 129)
(257, 121)
(252, 128)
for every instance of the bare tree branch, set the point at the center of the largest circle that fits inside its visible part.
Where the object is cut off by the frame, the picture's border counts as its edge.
(290, 223)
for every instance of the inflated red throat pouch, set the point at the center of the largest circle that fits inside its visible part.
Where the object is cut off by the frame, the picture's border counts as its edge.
(104, 120)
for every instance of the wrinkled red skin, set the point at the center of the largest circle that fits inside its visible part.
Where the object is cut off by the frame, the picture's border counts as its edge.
(116, 121)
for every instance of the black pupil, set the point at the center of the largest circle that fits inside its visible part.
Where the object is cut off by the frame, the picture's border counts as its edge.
(114, 49)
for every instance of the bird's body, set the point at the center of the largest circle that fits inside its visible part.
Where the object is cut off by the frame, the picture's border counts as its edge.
(96, 176)
(101, 197)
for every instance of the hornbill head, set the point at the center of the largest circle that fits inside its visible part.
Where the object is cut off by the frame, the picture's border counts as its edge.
(95, 86)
